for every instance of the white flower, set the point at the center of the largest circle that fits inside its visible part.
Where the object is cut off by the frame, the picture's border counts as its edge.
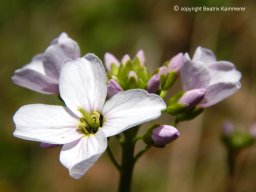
(87, 120)
(219, 79)
(42, 73)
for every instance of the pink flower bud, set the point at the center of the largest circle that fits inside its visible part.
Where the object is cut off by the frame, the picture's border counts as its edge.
(113, 87)
(141, 56)
(228, 128)
(132, 74)
(175, 63)
(110, 60)
(192, 98)
(164, 134)
(153, 83)
(125, 58)
(162, 70)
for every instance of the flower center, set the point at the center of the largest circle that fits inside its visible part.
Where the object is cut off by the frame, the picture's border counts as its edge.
(90, 123)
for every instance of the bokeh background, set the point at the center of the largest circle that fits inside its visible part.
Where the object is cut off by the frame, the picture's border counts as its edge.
(197, 160)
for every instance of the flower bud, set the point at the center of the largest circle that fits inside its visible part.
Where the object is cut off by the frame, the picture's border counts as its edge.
(133, 80)
(160, 135)
(228, 129)
(164, 134)
(253, 131)
(141, 56)
(110, 60)
(192, 97)
(153, 84)
(175, 63)
(125, 59)
(113, 87)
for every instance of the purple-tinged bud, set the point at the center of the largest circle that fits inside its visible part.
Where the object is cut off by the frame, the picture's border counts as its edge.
(110, 60)
(228, 129)
(175, 63)
(192, 97)
(47, 145)
(164, 134)
(113, 87)
(162, 70)
(253, 131)
(125, 59)
(153, 84)
(141, 56)
(133, 75)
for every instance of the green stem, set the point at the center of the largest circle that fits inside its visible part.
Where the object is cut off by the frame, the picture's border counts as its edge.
(141, 153)
(112, 158)
(231, 160)
(128, 160)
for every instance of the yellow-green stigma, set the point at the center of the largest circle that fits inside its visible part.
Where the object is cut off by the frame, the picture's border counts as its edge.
(90, 122)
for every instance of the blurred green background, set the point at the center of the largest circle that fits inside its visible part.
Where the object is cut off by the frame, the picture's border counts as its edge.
(196, 161)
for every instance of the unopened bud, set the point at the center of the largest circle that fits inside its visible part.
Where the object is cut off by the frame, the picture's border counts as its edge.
(164, 134)
(141, 56)
(153, 84)
(192, 97)
(228, 129)
(125, 59)
(110, 60)
(113, 87)
(175, 63)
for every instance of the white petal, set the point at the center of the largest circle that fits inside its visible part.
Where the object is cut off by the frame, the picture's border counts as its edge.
(224, 71)
(194, 75)
(61, 50)
(32, 76)
(130, 108)
(83, 84)
(219, 92)
(46, 123)
(79, 156)
(204, 55)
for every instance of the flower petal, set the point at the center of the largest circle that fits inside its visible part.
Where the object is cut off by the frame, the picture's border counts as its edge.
(61, 50)
(83, 84)
(194, 75)
(130, 108)
(204, 55)
(32, 76)
(224, 71)
(46, 123)
(218, 92)
(79, 156)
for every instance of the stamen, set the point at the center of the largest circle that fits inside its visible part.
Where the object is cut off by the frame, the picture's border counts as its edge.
(90, 123)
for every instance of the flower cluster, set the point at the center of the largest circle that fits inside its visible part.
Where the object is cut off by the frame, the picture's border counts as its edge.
(100, 104)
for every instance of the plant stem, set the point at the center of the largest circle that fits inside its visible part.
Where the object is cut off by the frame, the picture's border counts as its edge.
(112, 158)
(231, 160)
(128, 160)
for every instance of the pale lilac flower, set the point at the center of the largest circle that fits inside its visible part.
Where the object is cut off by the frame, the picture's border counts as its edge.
(220, 79)
(109, 60)
(113, 87)
(176, 63)
(192, 97)
(82, 127)
(164, 134)
(42, 73)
